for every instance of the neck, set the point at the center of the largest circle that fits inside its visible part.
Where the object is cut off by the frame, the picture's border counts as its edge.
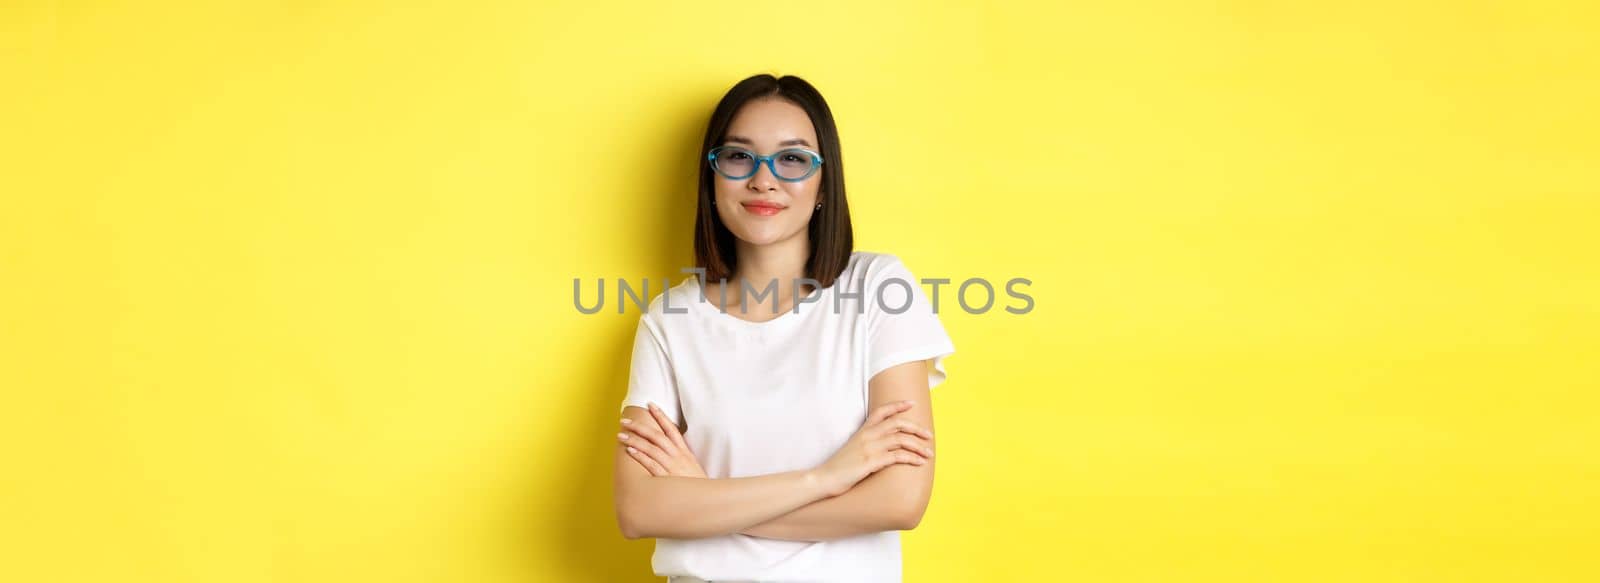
(783, 262)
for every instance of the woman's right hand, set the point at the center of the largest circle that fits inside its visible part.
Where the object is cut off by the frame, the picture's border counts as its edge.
(879, 443)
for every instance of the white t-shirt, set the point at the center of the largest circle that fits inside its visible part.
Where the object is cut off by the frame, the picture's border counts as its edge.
(781, 395)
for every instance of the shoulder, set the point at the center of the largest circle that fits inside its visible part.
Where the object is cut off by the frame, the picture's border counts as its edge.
(872, 266)
(674, 302)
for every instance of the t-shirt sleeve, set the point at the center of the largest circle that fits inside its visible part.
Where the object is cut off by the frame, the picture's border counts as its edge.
(650, 377)
(901, 324)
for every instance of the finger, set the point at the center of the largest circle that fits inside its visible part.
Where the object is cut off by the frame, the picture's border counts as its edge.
(645, 462)
(896, 441)
(905, 457)
(914, 444)
(909, 426)
(650, 465)
(885, 410)
(649, 432)
(649, 449)
(670, 428)
(896, 456)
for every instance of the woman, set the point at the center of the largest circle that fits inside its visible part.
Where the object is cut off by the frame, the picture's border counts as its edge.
(778, 425)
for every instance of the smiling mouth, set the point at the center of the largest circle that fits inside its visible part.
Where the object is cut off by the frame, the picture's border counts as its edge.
(762, 208)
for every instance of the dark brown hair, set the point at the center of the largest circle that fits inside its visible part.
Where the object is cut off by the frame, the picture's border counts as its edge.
(831, 238)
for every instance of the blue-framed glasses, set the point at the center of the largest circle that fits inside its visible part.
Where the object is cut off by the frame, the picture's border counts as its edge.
(790, 165)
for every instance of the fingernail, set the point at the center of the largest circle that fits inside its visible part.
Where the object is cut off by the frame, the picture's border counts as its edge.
(630, 449)
(627, 421)
(622, 435)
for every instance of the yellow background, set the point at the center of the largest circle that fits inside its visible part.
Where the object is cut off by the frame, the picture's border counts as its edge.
(285, 288)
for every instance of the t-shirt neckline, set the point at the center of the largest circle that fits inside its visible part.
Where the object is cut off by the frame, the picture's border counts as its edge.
(794, 312)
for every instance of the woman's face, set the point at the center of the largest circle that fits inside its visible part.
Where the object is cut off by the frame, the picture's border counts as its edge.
(761, 209)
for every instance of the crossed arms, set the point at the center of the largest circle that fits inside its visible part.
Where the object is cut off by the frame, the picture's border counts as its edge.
(671, 501)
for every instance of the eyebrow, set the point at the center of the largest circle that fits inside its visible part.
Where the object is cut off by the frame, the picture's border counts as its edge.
(793, 142)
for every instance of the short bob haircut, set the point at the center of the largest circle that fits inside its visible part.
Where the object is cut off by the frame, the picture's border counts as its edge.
(831, 238)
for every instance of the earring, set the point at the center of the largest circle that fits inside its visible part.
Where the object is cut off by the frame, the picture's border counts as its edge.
(819, 206)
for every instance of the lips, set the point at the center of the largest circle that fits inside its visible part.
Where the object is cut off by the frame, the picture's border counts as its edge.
(762, 207)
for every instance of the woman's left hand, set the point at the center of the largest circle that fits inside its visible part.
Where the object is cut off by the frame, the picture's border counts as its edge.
(659, 447)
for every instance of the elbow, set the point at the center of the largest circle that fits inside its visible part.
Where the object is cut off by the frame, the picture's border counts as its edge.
(632, 530)
(629, 531)
(908, 518)
(912, 504)
(908, 514)
(636, 522)
(628, 522)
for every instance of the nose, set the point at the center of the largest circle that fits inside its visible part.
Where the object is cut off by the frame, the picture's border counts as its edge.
(763, 179)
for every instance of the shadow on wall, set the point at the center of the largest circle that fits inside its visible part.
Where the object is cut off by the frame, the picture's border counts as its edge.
(592, 548)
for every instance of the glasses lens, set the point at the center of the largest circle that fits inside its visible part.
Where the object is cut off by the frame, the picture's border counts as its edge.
(794, 164)
(734, 162)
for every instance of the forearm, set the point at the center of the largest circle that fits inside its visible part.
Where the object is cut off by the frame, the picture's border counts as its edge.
(878, 503)
(682, 507)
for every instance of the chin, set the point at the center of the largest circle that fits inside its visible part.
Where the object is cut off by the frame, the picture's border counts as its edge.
(762, 236)
(759, 238)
